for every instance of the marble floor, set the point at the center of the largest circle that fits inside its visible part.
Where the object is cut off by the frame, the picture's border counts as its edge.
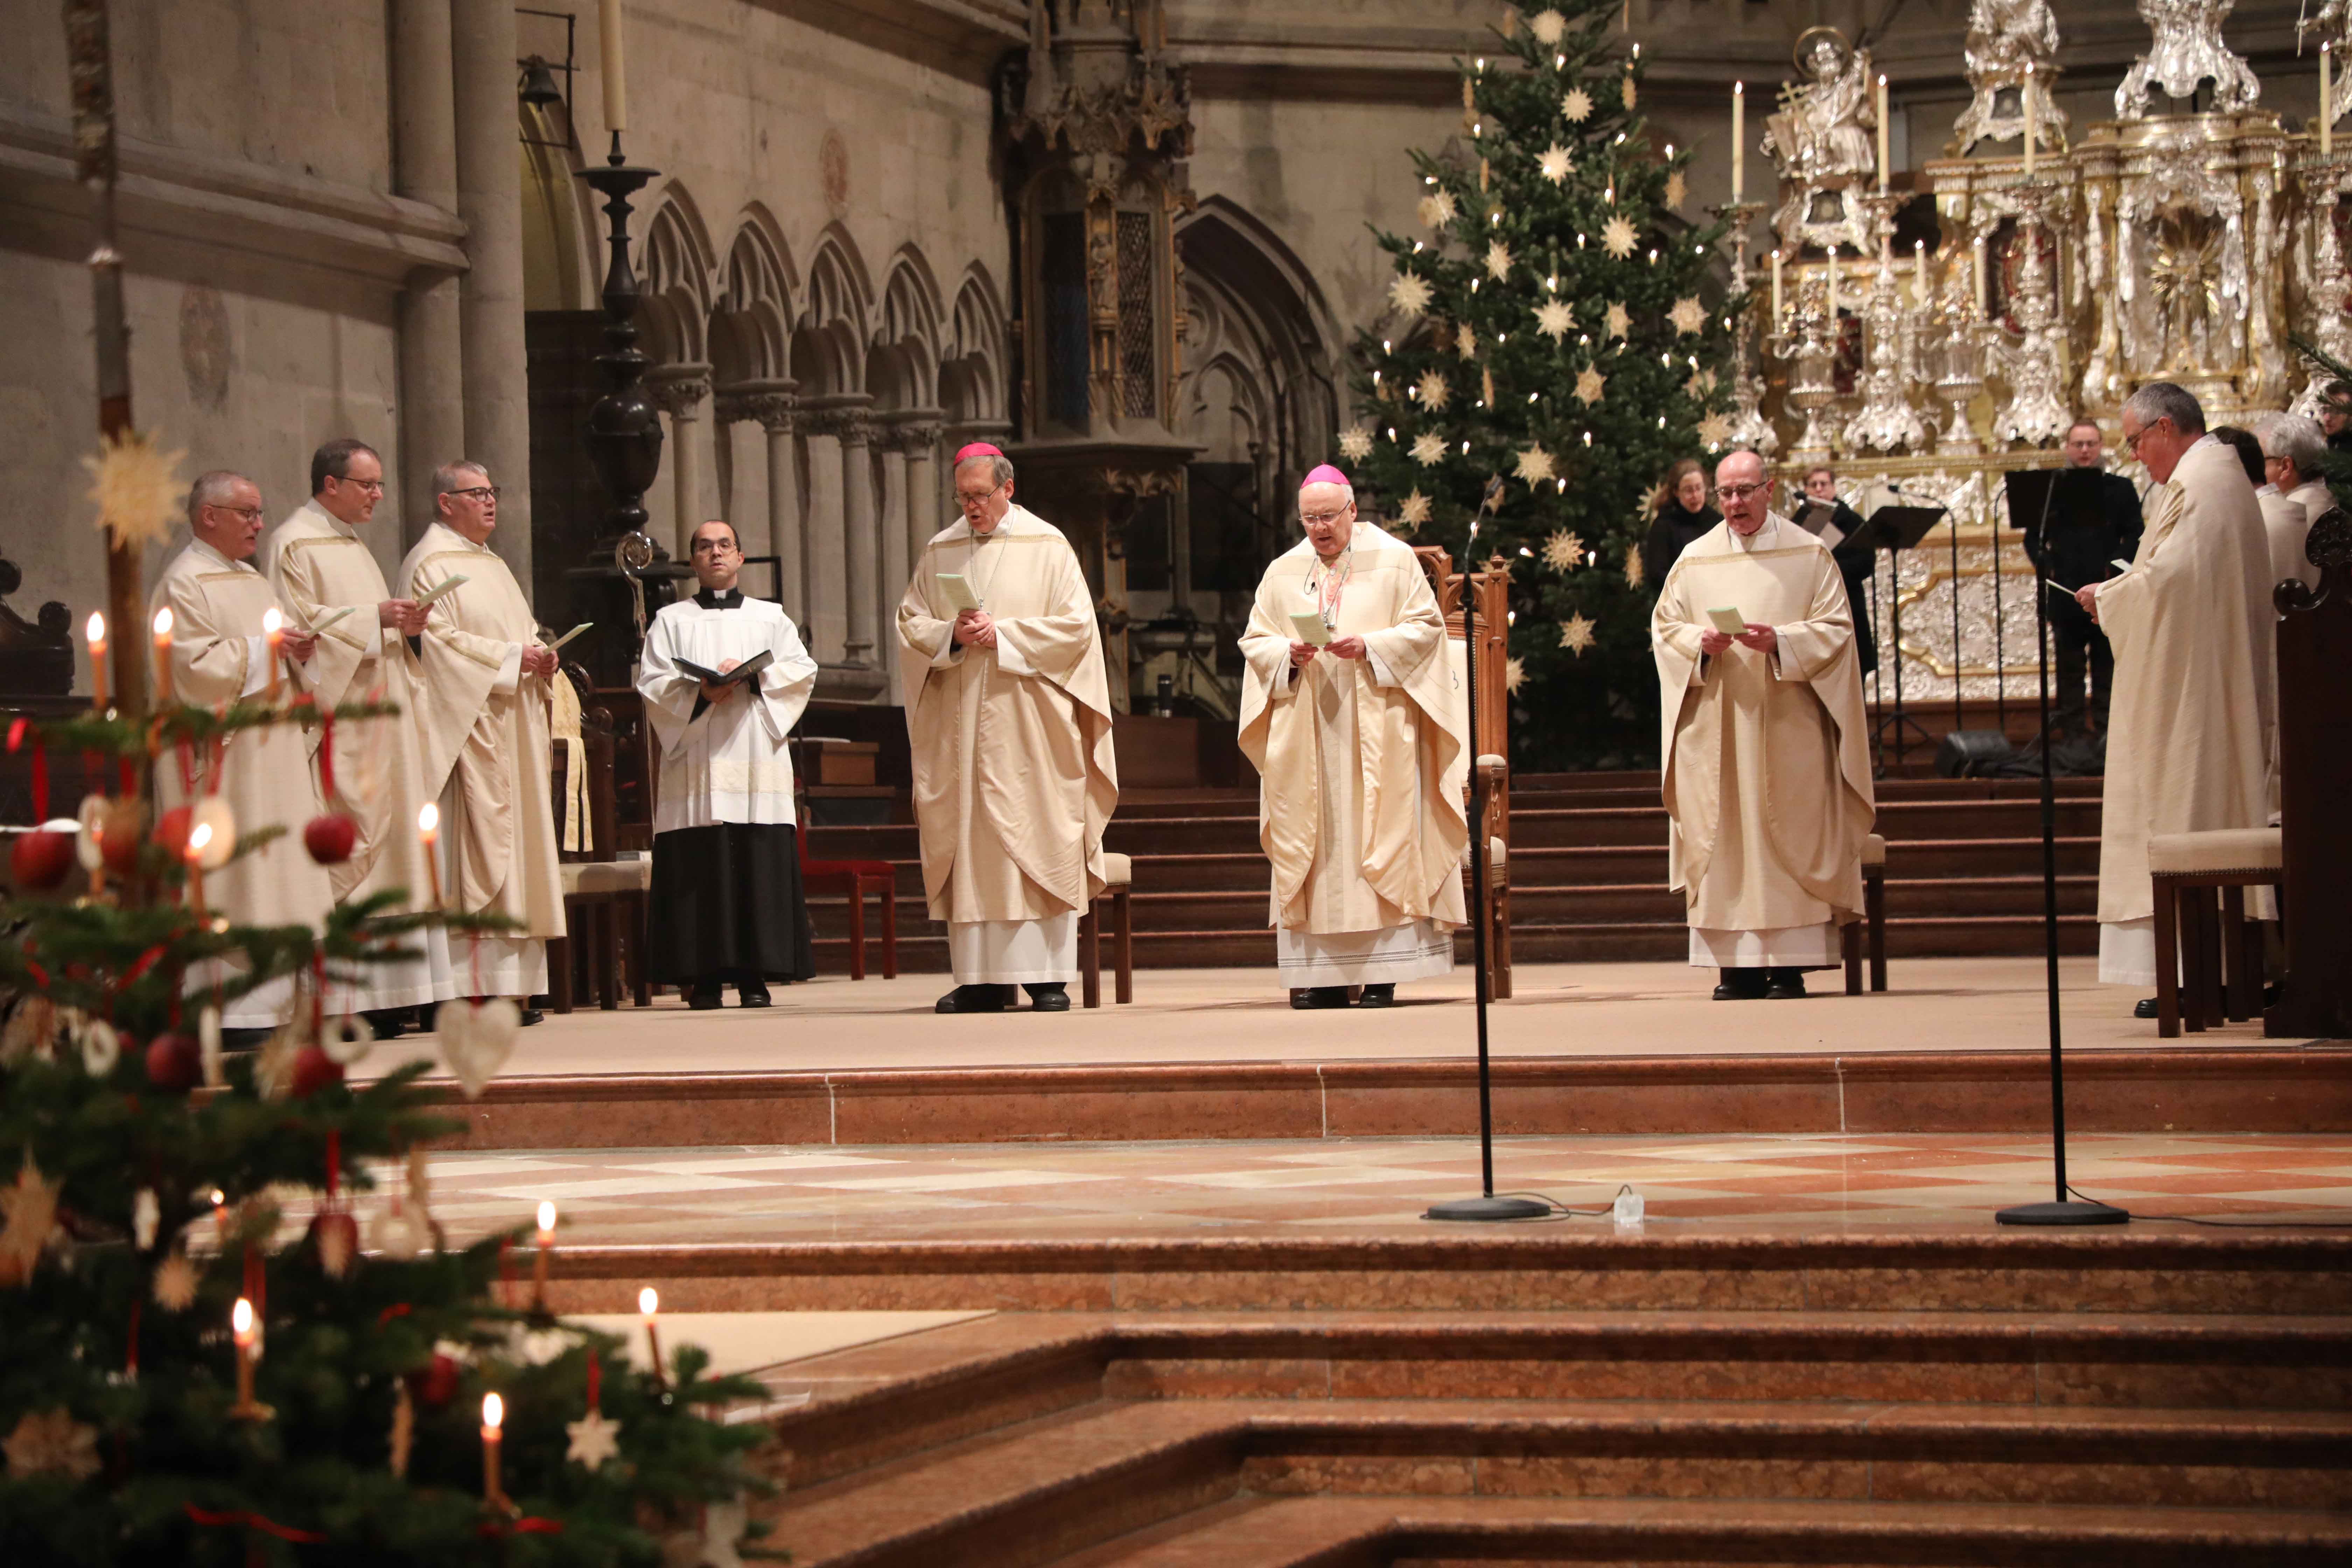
(1368, 1187)
(1243, 1014)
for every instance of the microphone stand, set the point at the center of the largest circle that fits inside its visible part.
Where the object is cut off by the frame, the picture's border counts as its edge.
(2062, 1209)
(1486, 1205)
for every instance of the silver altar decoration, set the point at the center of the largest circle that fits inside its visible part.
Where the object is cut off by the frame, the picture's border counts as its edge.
(1807, 344)
(2186, 50)
(2034, 414)
(2322, 275)
(1886, 421)
(1749, 428)
(1820, 140)
(2005, 37)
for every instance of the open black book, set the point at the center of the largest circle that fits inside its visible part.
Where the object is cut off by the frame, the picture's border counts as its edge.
(743, 671)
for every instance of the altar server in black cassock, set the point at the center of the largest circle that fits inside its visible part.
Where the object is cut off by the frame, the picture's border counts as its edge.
(727, 902)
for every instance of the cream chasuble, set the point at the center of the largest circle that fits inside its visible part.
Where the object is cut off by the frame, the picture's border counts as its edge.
(484, 728)
(1015, 778)
(1362, 766)
(2190, 731)
(1766, 757)
(318, 564)
(217, 657)
(728, 763)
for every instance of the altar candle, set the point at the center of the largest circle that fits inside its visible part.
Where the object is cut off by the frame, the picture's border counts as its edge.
(163, 654)
(649, 1304)
(546, 1250)
(2327, 101)
(1919, 271)
(1833, 312)
(494, 1414)
(2029, 137)
(1882, 131)
(1978, 260)
(1776, 290)
(608, 38)
(273, 637)
(96, 632)
(428, 830)
(1739, 130)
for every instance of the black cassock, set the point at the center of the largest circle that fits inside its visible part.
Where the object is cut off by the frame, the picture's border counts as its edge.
(727, 905)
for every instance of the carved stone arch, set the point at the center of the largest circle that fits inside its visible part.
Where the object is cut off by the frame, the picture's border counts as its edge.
(902, 370)
(972, 361)
(830, 338)
(751, 319)
(679, 263)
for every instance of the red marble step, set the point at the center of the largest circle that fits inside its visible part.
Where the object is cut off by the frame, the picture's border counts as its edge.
(1587, 1270)
(1512, 1532)
(2181, 1089)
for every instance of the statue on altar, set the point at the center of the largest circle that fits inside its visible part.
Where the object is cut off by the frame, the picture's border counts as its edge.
(1821, 140)
(2186, 49)
(2005, 37)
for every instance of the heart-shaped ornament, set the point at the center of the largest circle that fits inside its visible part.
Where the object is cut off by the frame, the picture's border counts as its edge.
(475, 1039)
(89, 845)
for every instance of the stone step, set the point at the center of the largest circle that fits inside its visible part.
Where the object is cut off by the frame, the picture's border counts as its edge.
(1512, 1532)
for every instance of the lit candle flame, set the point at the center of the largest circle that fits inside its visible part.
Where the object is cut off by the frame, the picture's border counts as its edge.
(270, 621)
(428, 819)
(163, 623)
(648, 1301)
(240, 1319)
(198, 836)
(494, 1411)
(96, 631)
(546, 1218)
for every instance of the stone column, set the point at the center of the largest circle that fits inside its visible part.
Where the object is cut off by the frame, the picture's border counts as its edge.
(827, 623)
(861, 534)
(489, 297)
(774, 405)
(918, 439)
(679, 390)
(892, 528)
(432, 341)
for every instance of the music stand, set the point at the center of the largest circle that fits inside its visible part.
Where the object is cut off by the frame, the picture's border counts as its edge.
(1894, 529)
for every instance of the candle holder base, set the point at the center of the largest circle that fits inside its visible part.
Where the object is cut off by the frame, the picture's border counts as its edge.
(252, 1410)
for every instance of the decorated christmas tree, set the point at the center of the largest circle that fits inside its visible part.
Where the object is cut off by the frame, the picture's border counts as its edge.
(188, 1372)
(1556, 325)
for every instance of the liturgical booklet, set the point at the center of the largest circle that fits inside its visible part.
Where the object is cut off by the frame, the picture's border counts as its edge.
(1727, 621)
(444, 590)
(956, 591)
(743, 671)
(1310, 629)
(570, 635)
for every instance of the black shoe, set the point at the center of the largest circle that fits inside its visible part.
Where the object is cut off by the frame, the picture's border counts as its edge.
(1317, 996)
(973, 999)
(390, 1022)
(1784, 985)
(752, 996)
(704, 994)
(1052, 998)
(1377, 996)
(532, 1016)
(2144, 1008)
(1741, 986)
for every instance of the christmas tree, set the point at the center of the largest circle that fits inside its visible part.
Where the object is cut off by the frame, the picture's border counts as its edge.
(187, 1375)
(1552, 328)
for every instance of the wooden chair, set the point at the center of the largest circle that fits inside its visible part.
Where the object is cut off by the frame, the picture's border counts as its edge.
(2209, 963)
(854, 880)
(1872, 924)
(1119, 887)
(600, 898)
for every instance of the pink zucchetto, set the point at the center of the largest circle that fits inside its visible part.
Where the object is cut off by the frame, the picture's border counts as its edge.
(1324, 474)
(977, 449)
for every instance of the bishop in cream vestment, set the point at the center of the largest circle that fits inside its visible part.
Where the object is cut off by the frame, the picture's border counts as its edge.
(217, 599)
(1011, 730)
(318, 565)
(2195, 675)
(1361, 757)
(1767, 767)
(483, 719)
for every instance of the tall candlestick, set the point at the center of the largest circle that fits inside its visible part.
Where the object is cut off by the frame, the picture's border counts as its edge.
(1882, 131)
(1776, 290)
(649, 1304)
(163, 654)
(494, 1414)
(1918, 271)
(96, 632)
(1739, 134)
(273, 637)
(608, 42)
(2326, 100)
(546, 1251)
(2029, 137)
(428, 831)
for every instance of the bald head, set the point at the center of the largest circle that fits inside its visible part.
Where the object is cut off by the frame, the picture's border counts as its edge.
(1741, 491)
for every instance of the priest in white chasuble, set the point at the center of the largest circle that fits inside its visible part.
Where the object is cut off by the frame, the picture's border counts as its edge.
(1352, 715)
(220, 654)
(1008, 712)
(327, 579)
(1763, 742)
(2195, 671)
(728, 907)
(482, 716)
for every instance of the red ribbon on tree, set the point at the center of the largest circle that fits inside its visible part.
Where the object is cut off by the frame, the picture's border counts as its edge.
(255, 1521)
(595, 1378)
(327, 757)
(334, 1161)
(40, 768)
(530, 1524)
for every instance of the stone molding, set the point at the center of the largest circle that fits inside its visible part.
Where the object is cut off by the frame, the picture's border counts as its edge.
(679, 390)
(774, 405)
(231, 204)
(848, 417)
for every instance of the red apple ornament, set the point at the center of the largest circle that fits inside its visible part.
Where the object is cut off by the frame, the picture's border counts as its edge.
(314, 1069)
(41, 860)
(174, 1062)
(330, 837)
(435, 1384)
(121, 827)
(336, 1234)
(171, 831)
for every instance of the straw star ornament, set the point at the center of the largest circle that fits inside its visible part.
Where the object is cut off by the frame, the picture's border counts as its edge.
(1499, 261)
(1617, 321)
(1576, 634)
(1563, 551)
(1689, 315)
(1554, 163)
(137, 487)
(1618, 238)
(1576, 107)
(1437, 209)
(1355, 443)
(1428, 447)
(1590, 385)
(1554, 319)
(1409, 293)
(1535, 465)
(1412, 511)
(1432, 390)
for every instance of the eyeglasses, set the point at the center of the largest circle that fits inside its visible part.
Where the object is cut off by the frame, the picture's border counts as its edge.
(714, 546)
(1740, 492)
(2131, 437)
(372, 487)
(970, 499)
(479, 492)
(1322, 518)
(250, 514)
